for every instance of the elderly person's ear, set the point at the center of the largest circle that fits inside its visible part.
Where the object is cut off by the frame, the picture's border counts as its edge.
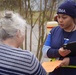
(18, 34)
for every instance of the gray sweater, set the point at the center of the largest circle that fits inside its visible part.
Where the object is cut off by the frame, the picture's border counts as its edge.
(15, 61)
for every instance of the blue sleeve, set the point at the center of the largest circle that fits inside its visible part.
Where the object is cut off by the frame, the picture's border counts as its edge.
(47, 45)
(53, 53)
(48, 40)
(47, 50)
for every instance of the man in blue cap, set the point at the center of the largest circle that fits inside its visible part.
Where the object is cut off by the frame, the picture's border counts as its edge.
(64, 33)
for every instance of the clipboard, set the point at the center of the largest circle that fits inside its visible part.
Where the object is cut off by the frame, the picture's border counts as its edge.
(50, 66)
(71, 46)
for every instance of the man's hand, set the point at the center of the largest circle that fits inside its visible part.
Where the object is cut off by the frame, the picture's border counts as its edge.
(64, 52)
(65, 62)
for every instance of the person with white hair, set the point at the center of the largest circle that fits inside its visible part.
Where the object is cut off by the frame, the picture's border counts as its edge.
(14, 60)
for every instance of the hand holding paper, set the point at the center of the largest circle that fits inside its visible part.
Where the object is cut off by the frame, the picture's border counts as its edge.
(50, 66)
(65, 62)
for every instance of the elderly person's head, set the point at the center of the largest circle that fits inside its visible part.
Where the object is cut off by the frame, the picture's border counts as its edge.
(12, 29)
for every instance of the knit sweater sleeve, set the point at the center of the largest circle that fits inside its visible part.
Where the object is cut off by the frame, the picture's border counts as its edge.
(36, 67)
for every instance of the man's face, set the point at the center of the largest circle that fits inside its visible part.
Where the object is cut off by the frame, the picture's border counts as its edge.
(65, 21)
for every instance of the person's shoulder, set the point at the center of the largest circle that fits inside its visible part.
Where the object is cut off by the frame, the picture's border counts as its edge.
(55, 29)
(27, 53)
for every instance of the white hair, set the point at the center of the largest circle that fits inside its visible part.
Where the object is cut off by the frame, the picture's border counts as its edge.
(10, 23)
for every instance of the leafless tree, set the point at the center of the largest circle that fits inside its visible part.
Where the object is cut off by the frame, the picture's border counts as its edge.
(45, 10)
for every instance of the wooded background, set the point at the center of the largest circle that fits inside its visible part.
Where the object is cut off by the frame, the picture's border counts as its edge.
(36, 12)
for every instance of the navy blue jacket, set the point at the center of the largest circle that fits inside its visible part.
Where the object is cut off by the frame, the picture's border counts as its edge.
(53, 42)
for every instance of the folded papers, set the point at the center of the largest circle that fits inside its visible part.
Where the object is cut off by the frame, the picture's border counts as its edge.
(50, 66)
